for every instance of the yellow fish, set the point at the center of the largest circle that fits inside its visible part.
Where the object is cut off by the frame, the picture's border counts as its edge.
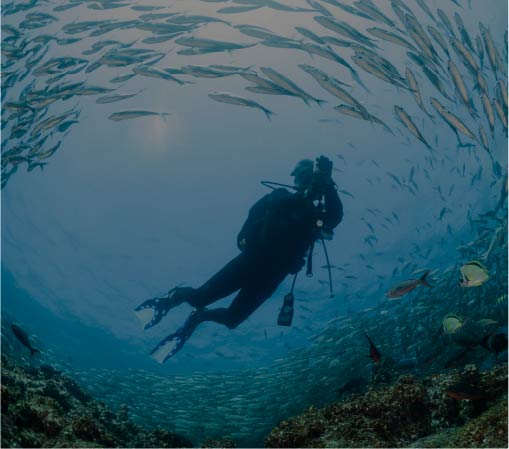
(473, 274)
(451, 324)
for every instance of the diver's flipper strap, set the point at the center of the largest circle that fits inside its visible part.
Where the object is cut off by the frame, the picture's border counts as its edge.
(160, 305)
(159, 352)
(164, 350)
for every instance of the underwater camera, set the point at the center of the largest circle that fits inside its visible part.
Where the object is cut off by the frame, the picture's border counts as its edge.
(286, 312)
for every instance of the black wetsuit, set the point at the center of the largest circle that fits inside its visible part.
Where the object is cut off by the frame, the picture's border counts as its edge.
(274, 242)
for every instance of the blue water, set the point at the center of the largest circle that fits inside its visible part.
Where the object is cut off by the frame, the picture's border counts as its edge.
(126, 210)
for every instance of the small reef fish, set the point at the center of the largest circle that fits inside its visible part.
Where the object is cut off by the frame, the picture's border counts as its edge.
(462, 391)
(374, 353)
(451, 323)
(22, 336)
(407, 286)
(473, 274)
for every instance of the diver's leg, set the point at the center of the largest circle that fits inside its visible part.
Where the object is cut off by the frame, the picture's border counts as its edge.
(228, 280)
(245, 303)
(250, 297)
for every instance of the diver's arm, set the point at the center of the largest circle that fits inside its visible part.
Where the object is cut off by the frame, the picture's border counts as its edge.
(333, 206)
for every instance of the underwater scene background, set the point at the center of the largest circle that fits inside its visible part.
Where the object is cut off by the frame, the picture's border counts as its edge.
(104, 207)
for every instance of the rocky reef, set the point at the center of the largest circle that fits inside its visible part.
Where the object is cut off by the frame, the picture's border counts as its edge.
(464, 408)
(42, 407)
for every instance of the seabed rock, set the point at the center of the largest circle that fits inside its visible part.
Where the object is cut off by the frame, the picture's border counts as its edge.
(411, 413)
(42, 407)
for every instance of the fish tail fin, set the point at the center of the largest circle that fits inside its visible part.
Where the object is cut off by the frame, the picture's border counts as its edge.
(424, 279)
(165, 115)
(269, 114)
(320, 102)
(356, 77)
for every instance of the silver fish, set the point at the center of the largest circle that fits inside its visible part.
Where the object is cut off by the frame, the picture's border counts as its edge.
(404, 118)
(80, 27)
(286, 84)
(463, 32)
(264, 86)
(446, 22)
(122, 78)
(454, 122)
(435, 34)
(159, 39)
(266, 90)
(92, 90)
(502, 90)
(422, 40)
(481, 84)
(347, 8)
(344, 29)
(390, 37)
(53, 121)
(205, 72)
(257, 32)
(500, 113)
(210, 44)
(156, 73)
(369, 66)
(465, 55)
(225, 97)
(132, 114)
(425, 8)
(183, 19)
(398, 10)
(491, 50)
(490, 115)
(435, 81)
(163, 28)
(310, 35)
(414, 88)
(461, 88)
(484, 139)
(326, 52)
(114, 98)
(332, 85)
(282, 43)
(317, 6)
(353, 112)
(372, 11)
(384, 64)
(480, 50)
(237, 9)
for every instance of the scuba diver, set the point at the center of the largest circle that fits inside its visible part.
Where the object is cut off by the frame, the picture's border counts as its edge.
(278, 234)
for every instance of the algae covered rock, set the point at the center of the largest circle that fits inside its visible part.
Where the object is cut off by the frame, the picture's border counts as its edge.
(410, 411)
(41, 407)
